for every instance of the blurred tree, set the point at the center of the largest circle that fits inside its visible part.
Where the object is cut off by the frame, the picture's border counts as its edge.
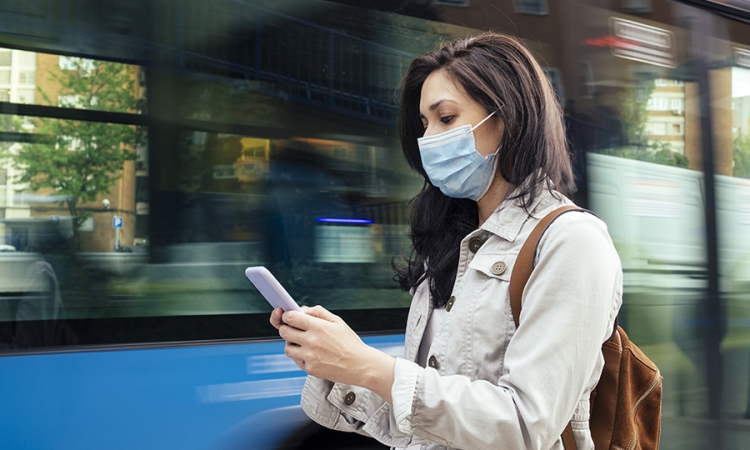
(663, 153)
(633, 113)
(742, 155)
(84, 159)
(10, 124)
(634, 116)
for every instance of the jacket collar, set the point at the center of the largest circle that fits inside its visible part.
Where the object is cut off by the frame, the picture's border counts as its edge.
(509, 217)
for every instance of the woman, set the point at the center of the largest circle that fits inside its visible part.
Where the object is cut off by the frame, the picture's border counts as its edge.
(480, 122)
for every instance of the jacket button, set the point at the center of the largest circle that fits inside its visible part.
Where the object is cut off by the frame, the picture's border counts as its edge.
(499, 268)
(349, 398)
(449, 305)
(475, 244)
(432, 362)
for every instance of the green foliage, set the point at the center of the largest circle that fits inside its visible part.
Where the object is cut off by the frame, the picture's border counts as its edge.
(8, 123)
(742, 155)
(84, 159)
(633, 113)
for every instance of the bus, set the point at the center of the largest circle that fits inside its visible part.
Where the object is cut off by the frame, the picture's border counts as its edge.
(150, 151)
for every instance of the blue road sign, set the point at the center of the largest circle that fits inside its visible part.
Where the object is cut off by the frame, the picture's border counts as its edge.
(117, 222)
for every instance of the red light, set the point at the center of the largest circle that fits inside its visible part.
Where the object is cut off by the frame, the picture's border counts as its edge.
(610, 41)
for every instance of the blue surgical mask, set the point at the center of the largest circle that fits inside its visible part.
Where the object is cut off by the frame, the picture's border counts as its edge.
(454, 165)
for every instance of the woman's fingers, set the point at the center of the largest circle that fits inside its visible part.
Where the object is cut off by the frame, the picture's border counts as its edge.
(322, 313)
(299, 320)
(275, 318)
(322, 344)
(294, 352)
(291, 335)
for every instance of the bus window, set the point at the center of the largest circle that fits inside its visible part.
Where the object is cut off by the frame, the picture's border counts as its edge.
(733, 216)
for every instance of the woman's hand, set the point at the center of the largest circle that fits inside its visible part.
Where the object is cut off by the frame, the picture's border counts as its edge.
(324, 346)
(276, 318)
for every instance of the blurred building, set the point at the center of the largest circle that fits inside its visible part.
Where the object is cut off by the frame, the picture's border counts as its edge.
(17, 84)
(666, 114)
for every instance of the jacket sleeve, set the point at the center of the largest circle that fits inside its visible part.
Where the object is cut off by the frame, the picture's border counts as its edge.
(569, 304)
(368, 414)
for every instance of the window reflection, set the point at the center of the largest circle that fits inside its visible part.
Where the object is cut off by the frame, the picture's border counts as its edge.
(734, 204)
(66, 182)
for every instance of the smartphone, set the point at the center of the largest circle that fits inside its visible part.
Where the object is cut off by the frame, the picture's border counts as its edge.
(271, 289)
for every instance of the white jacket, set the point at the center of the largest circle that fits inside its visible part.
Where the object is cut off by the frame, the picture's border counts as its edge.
(490, 386)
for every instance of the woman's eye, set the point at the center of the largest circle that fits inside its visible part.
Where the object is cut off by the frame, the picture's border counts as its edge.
(446, 119)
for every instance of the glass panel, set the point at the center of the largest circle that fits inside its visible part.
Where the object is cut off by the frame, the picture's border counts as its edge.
(71, 82)
(637, 118)
(311, 209)
(289, 159)
(67, 181)
(642, 128)
(732, 144)
(308, 181)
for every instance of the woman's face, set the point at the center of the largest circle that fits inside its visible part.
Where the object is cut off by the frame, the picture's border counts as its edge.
(444, 105)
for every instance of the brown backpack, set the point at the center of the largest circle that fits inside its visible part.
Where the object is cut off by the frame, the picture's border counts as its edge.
(626, 404)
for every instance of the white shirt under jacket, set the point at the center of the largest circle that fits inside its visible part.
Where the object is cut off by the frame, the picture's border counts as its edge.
(496, 387)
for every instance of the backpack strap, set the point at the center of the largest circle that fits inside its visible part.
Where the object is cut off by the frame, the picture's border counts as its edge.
(524, 264)
(522, 269)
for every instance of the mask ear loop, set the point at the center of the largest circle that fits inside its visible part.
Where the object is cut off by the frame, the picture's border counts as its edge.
(497, 150)
(483, 121)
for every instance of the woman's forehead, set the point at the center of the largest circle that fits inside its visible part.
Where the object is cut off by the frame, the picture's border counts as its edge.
(439, 87)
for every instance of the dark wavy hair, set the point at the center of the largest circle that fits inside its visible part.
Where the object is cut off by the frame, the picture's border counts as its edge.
(501, 75)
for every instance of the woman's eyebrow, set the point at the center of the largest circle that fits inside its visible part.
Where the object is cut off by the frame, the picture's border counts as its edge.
(434, 106)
